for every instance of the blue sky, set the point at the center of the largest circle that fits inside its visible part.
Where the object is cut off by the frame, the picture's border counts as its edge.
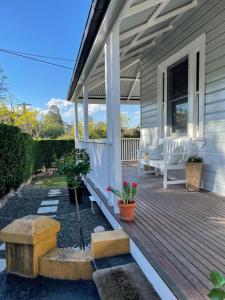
(51, 28)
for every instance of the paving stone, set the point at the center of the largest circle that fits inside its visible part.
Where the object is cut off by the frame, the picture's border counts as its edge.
(47, 209)
(2, 264)
(2, 247)
(50, 202)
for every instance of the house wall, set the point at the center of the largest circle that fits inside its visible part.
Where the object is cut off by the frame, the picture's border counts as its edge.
(208, 18)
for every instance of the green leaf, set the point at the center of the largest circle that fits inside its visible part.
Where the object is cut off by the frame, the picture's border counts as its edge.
(217, 279)
(216, 294)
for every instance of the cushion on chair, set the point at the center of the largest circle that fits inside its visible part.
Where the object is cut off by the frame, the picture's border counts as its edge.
(176, 156)
(155, 153)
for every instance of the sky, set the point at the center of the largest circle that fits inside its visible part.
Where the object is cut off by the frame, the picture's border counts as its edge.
(50, 28)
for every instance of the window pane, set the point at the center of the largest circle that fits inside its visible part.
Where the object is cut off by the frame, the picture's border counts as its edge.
(178, 80)
(180, 114)
(197, 71)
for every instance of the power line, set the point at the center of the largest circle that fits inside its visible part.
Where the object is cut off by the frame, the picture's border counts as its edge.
(38, 55)
(35, 59)
(14, 97)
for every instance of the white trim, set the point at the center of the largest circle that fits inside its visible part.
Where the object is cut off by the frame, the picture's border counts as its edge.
(76, 131)
(191, 50)
(151, 274)
(135, 9)
(158, 20)
(85, 108)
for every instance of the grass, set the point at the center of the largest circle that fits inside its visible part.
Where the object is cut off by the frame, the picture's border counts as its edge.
(50, 181)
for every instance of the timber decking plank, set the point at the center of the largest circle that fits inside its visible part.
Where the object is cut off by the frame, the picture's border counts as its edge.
(195, 231)
(181, 234)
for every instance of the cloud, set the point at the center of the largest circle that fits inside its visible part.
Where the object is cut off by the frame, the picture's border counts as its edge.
(94, 108)
(137, 115)
(67, 109)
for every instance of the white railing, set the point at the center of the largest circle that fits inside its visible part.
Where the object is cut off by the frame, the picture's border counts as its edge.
(129, 149)
(98, 153)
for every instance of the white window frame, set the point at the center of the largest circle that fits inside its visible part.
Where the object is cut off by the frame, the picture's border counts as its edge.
(195, 129)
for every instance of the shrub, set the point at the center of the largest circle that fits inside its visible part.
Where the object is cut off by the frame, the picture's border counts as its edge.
(20, 156)
(16, 157)
(195, 159)
(47, 150)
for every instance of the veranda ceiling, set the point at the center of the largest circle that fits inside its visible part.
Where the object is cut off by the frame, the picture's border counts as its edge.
(142, 25)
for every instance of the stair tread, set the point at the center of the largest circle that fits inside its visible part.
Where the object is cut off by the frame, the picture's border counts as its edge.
(112, 261)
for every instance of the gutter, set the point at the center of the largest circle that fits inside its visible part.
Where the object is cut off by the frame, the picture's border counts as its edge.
(94, 21)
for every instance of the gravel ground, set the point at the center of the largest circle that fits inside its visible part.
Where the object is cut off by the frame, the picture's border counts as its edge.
(28, 201)
(17, 288)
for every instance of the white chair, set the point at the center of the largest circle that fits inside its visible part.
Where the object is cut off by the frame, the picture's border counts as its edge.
(175, 154)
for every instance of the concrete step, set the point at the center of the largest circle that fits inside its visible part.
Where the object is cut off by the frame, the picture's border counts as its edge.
(67, 264)
(123, 282)
(109, 243)
(113, 261)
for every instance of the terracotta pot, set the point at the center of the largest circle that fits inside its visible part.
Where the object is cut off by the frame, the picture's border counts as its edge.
(193, 173)
(126, 211)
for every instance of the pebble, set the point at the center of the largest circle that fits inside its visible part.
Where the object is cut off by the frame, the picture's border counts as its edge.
(99, 229)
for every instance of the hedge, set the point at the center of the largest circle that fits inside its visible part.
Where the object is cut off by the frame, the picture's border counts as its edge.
(16, 157)
(46, 150)
(21, 156)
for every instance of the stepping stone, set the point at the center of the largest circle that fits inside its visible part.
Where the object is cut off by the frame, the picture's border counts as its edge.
(2, 247)
(2, 264)
(53, 196)
(50, 202)
(47, 209)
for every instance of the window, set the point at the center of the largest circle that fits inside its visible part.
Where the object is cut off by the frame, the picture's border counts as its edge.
(178, 96)
(181, 91)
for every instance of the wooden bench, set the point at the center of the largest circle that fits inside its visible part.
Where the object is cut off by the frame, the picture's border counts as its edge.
(175, 153)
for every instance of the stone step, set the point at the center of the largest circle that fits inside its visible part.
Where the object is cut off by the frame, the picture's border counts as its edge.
(67, 263)
(123, 282)
(109, 243)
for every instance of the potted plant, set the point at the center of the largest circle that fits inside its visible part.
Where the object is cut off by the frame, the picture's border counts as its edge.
(193, 171)
(74, 166)
(126, 202)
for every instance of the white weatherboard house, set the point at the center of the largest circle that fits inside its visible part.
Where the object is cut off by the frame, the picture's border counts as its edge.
(168, 56)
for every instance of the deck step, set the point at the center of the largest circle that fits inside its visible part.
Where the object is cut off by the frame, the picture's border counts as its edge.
(109, 243)
(67, 263)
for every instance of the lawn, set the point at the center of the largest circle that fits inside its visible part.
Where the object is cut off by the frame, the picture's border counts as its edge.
(50, 181)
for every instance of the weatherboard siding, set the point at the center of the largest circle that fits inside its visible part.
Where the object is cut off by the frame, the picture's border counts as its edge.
(208, 18)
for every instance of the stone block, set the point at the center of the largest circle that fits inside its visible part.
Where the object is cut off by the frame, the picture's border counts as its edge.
(26, 240)
(109, 243)
(67, 264)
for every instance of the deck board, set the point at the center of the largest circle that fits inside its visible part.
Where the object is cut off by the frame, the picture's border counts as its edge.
(182, 234)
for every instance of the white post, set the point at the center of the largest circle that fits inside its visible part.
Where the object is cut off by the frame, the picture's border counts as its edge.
(76, 132)
(85, 108)
(112, 73)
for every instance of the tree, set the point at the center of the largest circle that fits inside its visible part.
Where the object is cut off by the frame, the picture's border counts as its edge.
(54, 114)
(53, 124)
(26, 119)
(125, 120)
(3, 87)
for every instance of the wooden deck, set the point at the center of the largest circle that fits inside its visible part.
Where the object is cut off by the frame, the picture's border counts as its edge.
(182, 234)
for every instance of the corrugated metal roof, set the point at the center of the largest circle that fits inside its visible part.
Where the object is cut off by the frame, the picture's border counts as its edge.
(132, 45)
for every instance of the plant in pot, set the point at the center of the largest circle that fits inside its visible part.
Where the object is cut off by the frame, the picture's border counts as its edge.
(193, 172)
(126, 201)
(74, 166)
